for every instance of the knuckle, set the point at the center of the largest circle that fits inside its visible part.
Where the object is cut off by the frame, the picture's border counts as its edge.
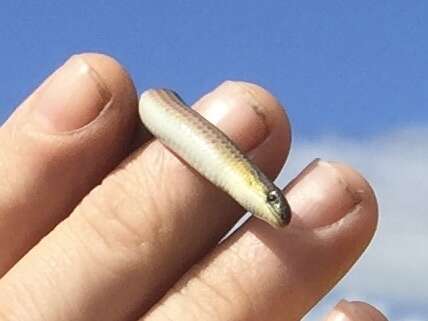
(207, 294)
(125, 211)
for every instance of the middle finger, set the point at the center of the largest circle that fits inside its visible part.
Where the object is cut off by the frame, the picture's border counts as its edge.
(149, 221)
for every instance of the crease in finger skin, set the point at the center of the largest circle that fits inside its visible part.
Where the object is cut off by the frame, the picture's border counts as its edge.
(279, 275)
(151, 219)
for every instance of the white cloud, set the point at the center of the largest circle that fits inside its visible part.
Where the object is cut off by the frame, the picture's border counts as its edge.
(394, 269)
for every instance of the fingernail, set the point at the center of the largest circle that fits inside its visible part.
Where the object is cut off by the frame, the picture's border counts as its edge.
(233, 108)
(71, 98)
(352, 311)
(321, 196)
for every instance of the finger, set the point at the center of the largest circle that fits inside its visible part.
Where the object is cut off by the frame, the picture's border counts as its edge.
(149, 221)
(58, 145)
(355, 311)
(265, 274)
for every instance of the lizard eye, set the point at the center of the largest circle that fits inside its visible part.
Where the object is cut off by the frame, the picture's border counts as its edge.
(272, 197)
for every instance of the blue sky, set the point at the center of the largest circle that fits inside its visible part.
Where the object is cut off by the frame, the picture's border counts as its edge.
(350, 68)
(352, 74)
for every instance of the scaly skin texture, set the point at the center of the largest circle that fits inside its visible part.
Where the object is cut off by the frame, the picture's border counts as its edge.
(211, 153)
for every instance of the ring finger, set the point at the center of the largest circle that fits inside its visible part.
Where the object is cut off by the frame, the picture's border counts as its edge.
(264, 274)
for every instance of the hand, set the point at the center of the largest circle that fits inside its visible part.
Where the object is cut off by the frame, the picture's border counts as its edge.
(142, 244)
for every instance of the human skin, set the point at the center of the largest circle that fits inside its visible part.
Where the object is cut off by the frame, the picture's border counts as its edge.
(108, 224)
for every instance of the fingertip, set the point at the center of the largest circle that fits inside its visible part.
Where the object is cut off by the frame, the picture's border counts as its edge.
(251, 117)
(355, 311)
(277, 115)
(114, 76)
(273, 152)
(361, 187)
(327, 191)
(358, 182)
